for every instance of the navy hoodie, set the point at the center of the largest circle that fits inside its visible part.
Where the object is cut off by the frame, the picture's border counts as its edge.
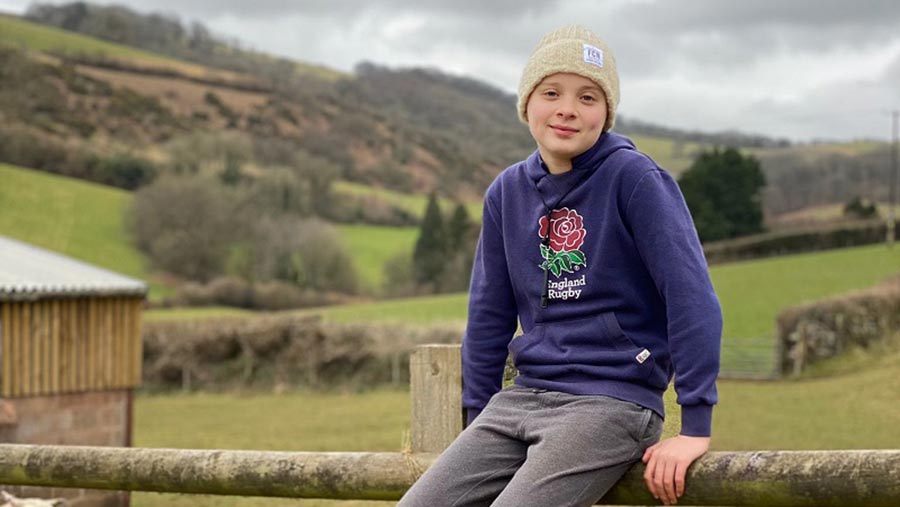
(630, 299)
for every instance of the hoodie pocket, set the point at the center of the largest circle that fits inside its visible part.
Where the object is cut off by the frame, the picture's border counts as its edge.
(592, 347)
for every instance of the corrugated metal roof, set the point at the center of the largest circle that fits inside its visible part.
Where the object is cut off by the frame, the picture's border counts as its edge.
(28, 272)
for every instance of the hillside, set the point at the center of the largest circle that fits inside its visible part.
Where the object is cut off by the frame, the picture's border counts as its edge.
(412, 130)
(408, 130)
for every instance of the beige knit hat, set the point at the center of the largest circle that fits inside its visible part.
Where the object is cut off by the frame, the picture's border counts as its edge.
(574, 49)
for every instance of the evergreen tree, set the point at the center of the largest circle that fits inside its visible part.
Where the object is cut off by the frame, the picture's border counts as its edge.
(460, 251)
(457, 229)
(723, 192)
(430, 253)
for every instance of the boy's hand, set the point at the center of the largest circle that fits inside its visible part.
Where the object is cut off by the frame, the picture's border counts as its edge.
(667, 462)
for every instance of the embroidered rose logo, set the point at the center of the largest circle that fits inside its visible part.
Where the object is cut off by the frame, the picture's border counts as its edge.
(566, 228)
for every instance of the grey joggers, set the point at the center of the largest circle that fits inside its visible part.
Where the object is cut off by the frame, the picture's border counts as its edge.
(533, 447)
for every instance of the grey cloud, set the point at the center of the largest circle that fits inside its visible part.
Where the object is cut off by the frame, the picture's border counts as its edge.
(729, 34)
(689, 15)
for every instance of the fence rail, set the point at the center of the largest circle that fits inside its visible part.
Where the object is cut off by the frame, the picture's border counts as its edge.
(765, 478)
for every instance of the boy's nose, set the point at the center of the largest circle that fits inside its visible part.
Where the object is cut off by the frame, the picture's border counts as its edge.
(566, 109)
(565, 112)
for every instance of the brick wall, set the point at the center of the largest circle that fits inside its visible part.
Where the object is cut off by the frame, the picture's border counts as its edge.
(90, 418)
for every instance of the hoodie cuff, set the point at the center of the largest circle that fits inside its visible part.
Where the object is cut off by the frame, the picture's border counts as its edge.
(471, 414)
(696, 420)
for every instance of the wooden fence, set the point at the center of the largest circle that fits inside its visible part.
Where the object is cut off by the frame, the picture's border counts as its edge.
(53, 346)
(867, 478)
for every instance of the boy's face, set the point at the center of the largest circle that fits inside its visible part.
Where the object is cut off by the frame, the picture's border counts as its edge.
(566, 114)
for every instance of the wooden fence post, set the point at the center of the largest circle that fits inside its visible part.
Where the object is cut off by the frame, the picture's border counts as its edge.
(436, 396)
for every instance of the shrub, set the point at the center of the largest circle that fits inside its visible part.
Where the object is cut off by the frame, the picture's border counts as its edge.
(185, 225)
(860, 207)
(282, 349)
(124, 171)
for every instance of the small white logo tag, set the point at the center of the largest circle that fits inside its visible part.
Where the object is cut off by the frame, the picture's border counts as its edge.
(593, 55)
(642, 356)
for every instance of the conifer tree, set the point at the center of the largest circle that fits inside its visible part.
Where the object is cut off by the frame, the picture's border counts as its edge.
(430, 253)
(457, 229)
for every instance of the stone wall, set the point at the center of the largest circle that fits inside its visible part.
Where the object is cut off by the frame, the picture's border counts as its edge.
(89, 418)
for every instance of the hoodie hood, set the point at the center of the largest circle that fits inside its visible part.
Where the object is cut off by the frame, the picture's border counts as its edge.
(553, 187)
(606, 145)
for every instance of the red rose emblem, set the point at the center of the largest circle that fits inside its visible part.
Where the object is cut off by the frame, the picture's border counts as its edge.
(566, 230)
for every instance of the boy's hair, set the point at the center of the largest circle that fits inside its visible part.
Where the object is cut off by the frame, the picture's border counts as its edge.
(577, 50)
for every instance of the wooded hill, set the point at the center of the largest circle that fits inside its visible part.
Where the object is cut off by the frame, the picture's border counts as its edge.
(72, 104)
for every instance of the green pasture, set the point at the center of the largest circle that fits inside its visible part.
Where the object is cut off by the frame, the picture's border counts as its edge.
(73, 217)
(814, 414)
(418, 310)
(671, 155)
(47, 38)
(193, 313)
(371, 246)
(413, 204)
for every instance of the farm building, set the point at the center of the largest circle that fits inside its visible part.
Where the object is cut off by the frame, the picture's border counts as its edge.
(70, 356)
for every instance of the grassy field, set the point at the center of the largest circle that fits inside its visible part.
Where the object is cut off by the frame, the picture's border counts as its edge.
(667, 153)
(371, 246)
(822, 413)
(46, 38)
(73, 217)
(419, 310)
(413, 204)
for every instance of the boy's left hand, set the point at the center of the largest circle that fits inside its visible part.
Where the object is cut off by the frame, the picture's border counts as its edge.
(667, 462)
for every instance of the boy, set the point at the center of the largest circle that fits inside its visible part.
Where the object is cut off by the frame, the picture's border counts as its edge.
(589, 244)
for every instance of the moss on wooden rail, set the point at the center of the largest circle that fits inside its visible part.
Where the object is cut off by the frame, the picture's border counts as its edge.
(766, 478)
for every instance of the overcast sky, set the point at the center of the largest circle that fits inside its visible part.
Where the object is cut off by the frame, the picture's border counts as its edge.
(810, 69)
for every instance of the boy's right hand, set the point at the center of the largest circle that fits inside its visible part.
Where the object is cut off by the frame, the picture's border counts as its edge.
(667, 463)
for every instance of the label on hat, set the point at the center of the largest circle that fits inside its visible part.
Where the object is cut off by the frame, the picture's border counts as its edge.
(593, 55)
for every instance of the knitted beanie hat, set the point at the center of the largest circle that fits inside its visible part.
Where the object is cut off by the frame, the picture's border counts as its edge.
(574, 49)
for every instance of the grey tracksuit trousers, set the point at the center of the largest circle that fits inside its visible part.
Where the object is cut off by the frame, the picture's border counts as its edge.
(533, 447)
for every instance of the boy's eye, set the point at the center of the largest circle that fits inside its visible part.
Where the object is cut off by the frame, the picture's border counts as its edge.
(550, 93)
(589, 98)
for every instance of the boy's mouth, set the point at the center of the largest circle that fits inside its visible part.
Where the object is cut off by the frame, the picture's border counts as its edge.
(562, 129)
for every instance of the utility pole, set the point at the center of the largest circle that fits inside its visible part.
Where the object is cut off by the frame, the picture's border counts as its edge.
(892, 222)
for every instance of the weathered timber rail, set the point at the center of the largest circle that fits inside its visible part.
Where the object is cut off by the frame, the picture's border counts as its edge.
(851, 478)
(766, 478)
